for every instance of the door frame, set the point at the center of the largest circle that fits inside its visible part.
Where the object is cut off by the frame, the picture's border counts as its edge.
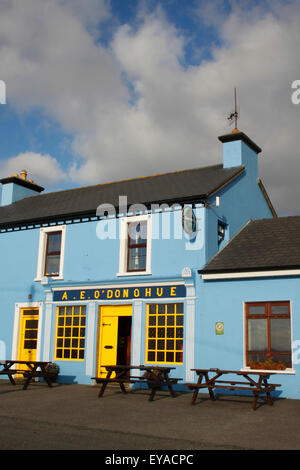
(99, 322)
(17, 327)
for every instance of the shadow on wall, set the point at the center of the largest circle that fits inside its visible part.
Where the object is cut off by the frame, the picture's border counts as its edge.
(66, 379)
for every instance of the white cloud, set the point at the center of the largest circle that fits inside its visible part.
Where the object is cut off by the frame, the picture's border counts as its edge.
(170, 116)
(43, 169)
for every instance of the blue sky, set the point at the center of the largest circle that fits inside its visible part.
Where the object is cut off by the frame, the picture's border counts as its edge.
(113, 89)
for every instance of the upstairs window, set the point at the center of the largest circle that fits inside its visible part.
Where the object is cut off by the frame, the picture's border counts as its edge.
(135, 245)
(51, 253)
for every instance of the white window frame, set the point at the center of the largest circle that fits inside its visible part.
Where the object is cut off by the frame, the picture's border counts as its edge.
(42, 252)
(124, 245)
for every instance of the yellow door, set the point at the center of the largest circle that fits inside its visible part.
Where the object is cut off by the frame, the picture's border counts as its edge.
(28, 334)
(110, 335)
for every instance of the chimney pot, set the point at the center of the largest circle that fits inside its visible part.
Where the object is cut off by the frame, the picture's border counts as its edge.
(23, 175)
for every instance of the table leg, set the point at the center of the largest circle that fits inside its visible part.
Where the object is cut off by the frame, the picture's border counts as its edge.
(210, 389)
(268, 392)
(152, 394)
(195, 393)
(254, 403)
(122, 387)
(12, 381)
(104, 385)
(46, 376)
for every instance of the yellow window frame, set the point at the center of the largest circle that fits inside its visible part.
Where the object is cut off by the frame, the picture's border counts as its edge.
(159, 333)
(70, 332)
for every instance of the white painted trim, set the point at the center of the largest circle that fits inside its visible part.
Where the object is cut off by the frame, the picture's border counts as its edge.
(122, 301)
(189, 333)
(244, 275)
(123, 245)
(16, 328)
(286, 371)
(42, 251)
(47, 330)
(90, 342)
(136, 334)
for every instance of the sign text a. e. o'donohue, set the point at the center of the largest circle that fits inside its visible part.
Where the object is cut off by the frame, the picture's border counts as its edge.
(120, 293)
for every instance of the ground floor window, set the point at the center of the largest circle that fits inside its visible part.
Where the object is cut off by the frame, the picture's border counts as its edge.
(164, 339)
(268, 335)
(70, 332)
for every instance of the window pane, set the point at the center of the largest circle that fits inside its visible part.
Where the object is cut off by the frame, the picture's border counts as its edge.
(286, 358)
(152, 308)
(257, 335)
(280, 334)
(52, 265)
(137, 232)
(137, 259)
(280, 309)
(54, 242)
(179, 308)
(256, 310)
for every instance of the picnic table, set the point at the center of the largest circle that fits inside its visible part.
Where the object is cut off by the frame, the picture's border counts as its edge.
(154, 377)
(29, 370)
(258, 385)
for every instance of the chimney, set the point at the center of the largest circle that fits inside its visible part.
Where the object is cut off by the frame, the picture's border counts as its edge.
(239, 149)
(17, 187)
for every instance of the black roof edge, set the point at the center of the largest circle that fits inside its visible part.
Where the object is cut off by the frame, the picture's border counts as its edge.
(93, 213)
(21, 182)
(245, 270)
(240, 136)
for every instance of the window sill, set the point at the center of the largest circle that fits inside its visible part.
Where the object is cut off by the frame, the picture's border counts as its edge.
(286, 371)
(136, 273)
(55, 278)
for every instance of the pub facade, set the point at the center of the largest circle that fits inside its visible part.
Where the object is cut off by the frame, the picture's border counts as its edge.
(108, 274)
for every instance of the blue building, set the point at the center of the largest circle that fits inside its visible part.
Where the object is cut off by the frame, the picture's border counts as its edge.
(109, 273)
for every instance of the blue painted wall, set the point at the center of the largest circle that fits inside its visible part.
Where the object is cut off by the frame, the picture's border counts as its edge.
(223, 301)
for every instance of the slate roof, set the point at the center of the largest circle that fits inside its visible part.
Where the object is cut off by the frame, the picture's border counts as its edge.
(180, 186)
(266, 244)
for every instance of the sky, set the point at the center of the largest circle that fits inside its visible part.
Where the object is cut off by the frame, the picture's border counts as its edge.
(105, 90)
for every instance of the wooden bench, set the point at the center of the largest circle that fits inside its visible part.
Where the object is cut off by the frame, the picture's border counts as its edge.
(257, 387)
(154, 377)
(12, 368)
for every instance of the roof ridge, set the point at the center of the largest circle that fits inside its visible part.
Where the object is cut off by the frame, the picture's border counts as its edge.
(126, 180)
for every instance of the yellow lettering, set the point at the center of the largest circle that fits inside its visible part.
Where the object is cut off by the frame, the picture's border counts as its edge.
(173, 291)
(117, 293)
(97, 294)
(82, 295)
(148, 292)
(125, 293)
(136, 292)
(109, 294)
(65, 296)
(159, 291)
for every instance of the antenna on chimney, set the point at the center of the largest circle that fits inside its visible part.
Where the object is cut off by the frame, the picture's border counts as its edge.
(233, 117)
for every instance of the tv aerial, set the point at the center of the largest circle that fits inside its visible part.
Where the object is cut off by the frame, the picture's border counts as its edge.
(233, 117)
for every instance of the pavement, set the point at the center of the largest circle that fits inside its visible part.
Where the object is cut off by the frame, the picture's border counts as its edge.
(72, 417)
